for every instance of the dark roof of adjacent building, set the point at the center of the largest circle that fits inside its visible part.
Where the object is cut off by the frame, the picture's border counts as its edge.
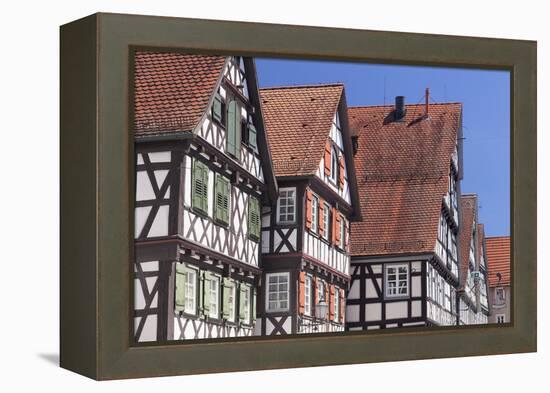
(468, 207)
(498, 260)
(298, 120)
(173, 90)
(403, 172)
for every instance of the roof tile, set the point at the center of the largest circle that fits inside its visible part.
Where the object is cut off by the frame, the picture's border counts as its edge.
(498, 260)
(402, 171)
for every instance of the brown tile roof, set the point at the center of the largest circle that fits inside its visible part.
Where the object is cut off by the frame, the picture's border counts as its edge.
(172, 90)
(498, 260)
(468, 207)
(298, 121)
(402, 171)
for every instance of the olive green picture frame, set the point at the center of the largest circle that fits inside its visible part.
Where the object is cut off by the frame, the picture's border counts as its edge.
(97, 206)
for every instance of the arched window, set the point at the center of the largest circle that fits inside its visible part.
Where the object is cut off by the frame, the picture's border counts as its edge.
(334, 164)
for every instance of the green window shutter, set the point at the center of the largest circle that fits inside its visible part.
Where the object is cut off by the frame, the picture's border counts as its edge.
(234, 130)
(205, 290)
(227, 289)
(242, 295)
(254, 217)
(217, 109)
(200, 186)
(252, 136)
(222, 199)
(180, 288)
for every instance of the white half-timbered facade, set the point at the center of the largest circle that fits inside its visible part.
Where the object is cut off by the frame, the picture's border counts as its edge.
(305, 234)
(472, 300)
(203, 173)
(405, 251)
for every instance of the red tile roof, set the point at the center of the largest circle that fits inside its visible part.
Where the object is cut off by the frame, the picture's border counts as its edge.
(402, 171)
(498, 260)
(468, 206)
(298, 120)
(172, 90)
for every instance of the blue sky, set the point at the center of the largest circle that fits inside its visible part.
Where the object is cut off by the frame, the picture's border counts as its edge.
(485, 96)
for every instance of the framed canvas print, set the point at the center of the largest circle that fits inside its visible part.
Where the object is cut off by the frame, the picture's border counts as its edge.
(240, 196)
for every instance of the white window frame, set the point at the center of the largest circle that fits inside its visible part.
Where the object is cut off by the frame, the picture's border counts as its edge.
(334, 164)
(499, 316)
(233, 302)
(314, 213)
(191, 300)
(307, 295)
(336, 304)
(247, 298)
(278, 292)
(293, 199)
(500, 299)
(396, 266)
(326, 220)
(214, 300)
(321, 291)
(342, 231)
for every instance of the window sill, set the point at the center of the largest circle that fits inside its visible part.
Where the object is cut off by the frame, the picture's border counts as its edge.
(200, 213)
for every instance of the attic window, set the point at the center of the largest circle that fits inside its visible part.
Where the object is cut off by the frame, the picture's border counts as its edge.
(334, 164)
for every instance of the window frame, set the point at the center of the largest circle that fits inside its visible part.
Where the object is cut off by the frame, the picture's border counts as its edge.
(500, 299)
(285, 222)
(232, 316)
(397, 266)
(336, 306)
(195, 272)
(326, 221)
(223, 119)
(268, 276)
(334, 164)
(314, 214)
(321, 291)
(308, 306)
(248, 309)
(498, 316)
(343, 225)
(214, 278)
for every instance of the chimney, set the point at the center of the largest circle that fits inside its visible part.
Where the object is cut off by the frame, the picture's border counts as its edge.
(427, 95)
(399, 114)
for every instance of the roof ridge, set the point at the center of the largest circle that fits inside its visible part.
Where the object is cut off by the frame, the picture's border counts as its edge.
(303, 86)
(392, 105)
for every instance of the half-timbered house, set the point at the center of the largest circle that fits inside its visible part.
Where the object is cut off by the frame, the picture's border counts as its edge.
(404, 263)
(203, 173)
(482, 286)
(305, 234)
(500, 289)
(472, 276)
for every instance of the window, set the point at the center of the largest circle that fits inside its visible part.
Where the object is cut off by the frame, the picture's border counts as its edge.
(213, 289)
(321, 291)
(314, 214)
(186, 289)
(286, 206)
(200, 187)
(334, 164)
(397, 280)
(229, 300)
(500, 295)
(234, 130)
(342, 232)
(245, 302)
(191, 292)
(307, 296)
(336, 304)
(501, 318)
(221, 207)
(218, 110)
(254, 218)
(277, 291)
(326, 221)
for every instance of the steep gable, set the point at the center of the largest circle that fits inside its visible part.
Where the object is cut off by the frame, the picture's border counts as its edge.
(498, 260)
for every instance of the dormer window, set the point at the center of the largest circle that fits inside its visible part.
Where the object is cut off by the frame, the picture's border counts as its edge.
(334, 164)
